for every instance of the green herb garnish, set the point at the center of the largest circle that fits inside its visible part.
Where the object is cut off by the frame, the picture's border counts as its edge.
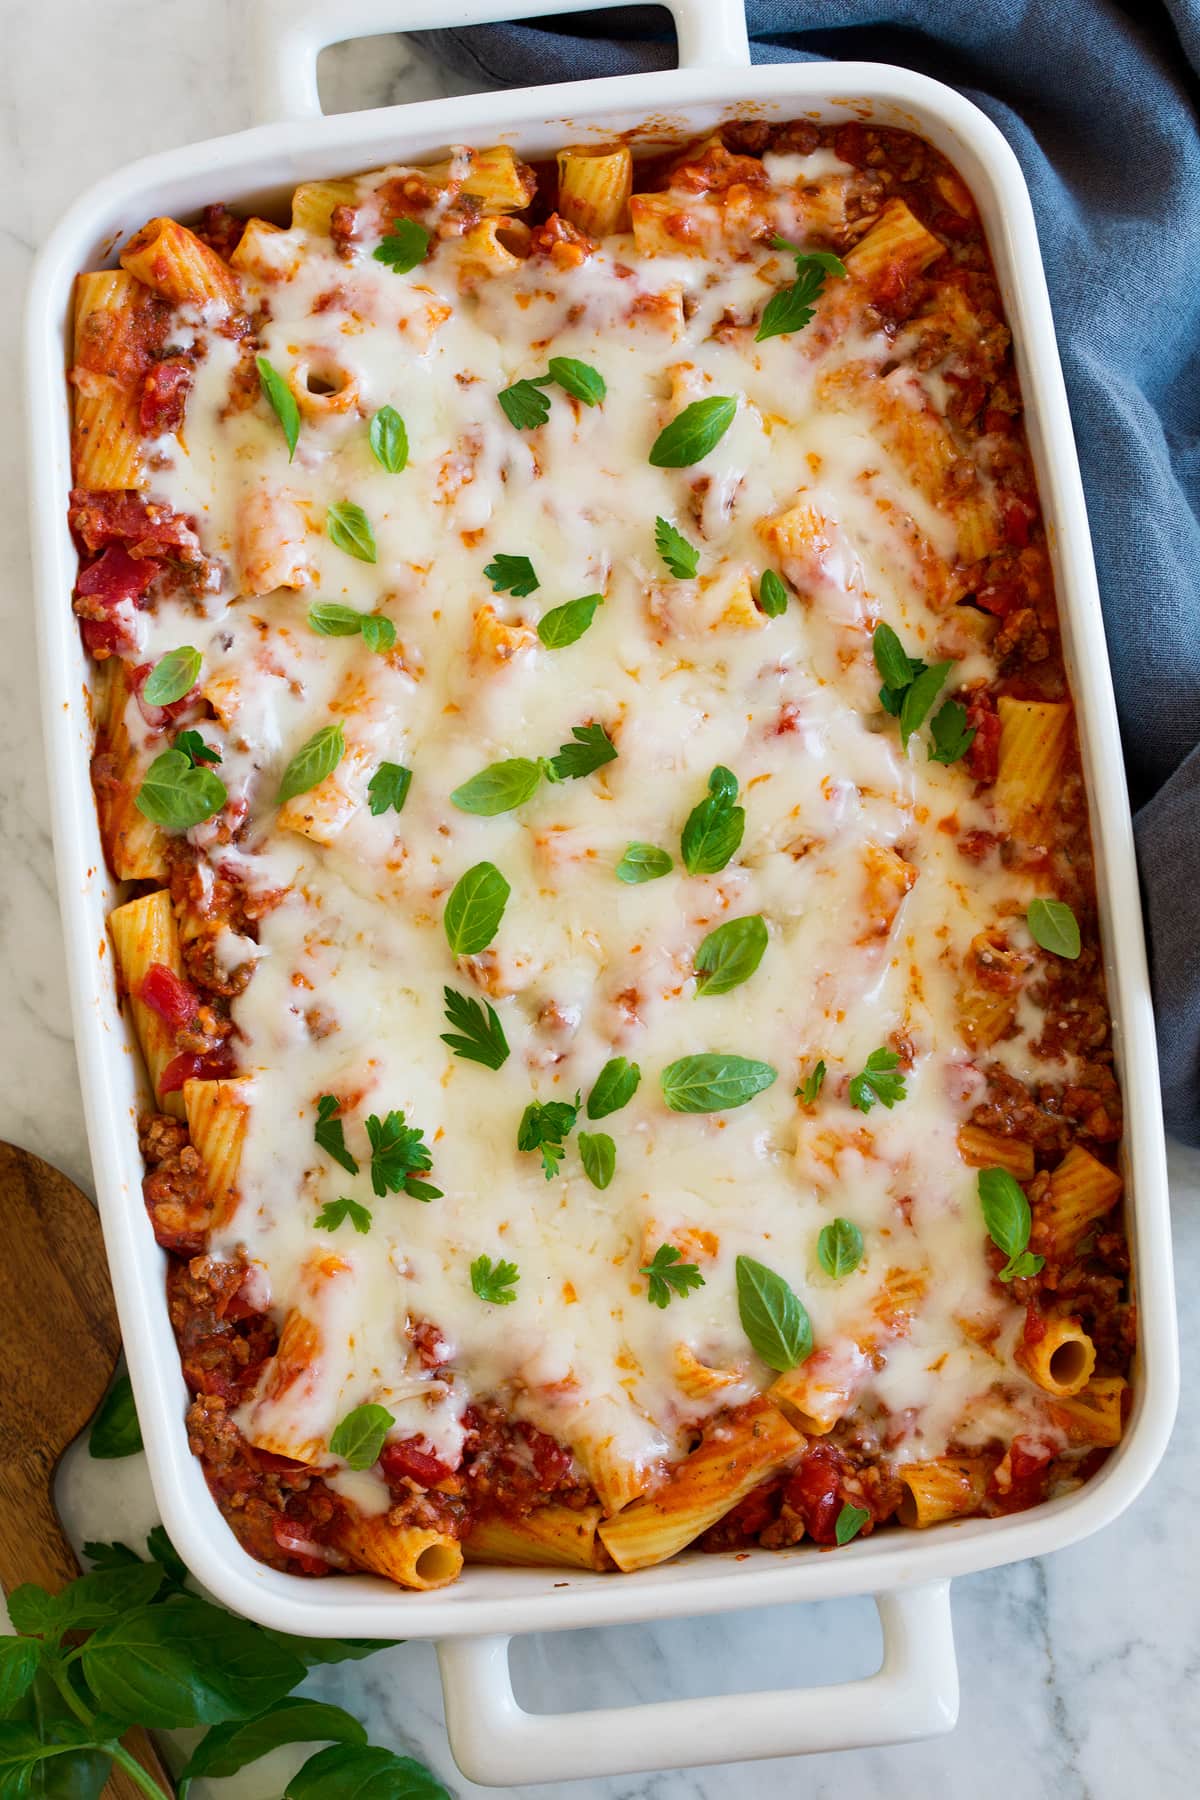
(669, 1275)
(565, 624)
(399, 1154)
(1054, 927)
(475, 1038)
(330, 1133)
(598, 1154)
(791, 308)
(512, 574)
(172, 676)
(314, 760)
(475, 909)
(405, 246)
(614, 1087)
(692, 433)
(545, 1125)
(494, 1282)
(713, 1082)
(878, 1081)
(388, 788)
(1009, 1222)
(714, 828)
(730, 954)
(281, 400)
(772, 1315)
(336, 1212)
(389, 440)
(347, 526)
(358, 1438)
(681, 558)
(840, 1248)
(643, 862)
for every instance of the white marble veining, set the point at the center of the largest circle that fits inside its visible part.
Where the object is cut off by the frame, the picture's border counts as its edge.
(1079, 1672)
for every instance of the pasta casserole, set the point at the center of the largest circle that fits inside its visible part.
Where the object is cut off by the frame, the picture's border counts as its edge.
(609, 917)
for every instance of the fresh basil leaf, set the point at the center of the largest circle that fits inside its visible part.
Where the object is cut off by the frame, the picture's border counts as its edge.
(26, 1758)
(669, 1275)
(713, 1081)
(475, 909)
(524, 405)
(499, 788)
(176, 794)
(314, 1652)
(730, 954)
(193, 746)
(378, 633)
(564, 625)
(282, 402)
(33, 1612)
(952, 736)
(172, 676)
(824, 260)
(19, 1659)
(406, 245)
(162, 1551)
(330, 1133)
(714, 828)
(578, 378)
(812, 1084)
(388, 788)
(358, 1438)
(614, 1087)
(314, 760)
(919, 696)
(227, 1748)
(891, 659)
(590, 751)
(67, 1772)
(115, 1430)
(840, 1248)
(364, 1774)
(1054, 927)
(474, 1038)
(643, 862)
(110, 1555)
(1005, 1210)
(331, 619)
(389, 440)
(494, 1282)
(347, 526)
(512, 574)
(682, 559)
(772, 594)
(693, 433)
(186, 1663)
(772, 1315)
(1021, 1266)
(107, 1594)
(598, 1154)
(336, 1212)
(850, 1522)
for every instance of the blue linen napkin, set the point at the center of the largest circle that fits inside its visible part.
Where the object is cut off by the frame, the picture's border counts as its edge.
(1100, 102)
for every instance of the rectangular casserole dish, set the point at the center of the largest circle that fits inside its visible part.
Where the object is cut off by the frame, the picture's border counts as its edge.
(915, 1692)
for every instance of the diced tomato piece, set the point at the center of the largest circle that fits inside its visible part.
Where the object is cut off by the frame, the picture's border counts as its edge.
(814, 1490)
(1034, 1328)
(164, 396)
(983, 758)
(168, 995)
(406, 1461)
(552, 1464)
(188, 1066)
(146, 528)
(114, 577)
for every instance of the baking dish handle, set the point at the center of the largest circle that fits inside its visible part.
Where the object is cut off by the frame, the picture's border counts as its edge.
(913, 1694)
(292, 33)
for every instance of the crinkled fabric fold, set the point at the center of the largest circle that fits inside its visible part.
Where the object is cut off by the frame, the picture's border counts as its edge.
(1101, 103)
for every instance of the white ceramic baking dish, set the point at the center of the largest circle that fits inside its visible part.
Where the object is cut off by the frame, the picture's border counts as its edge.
(915, 1692)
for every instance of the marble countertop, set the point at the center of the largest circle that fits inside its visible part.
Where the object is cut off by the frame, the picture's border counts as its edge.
(1078, 1672)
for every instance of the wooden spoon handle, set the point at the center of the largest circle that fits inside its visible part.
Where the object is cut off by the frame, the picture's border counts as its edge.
(121, 1786)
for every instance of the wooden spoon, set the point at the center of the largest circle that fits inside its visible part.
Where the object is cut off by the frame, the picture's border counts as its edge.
(59, 1340)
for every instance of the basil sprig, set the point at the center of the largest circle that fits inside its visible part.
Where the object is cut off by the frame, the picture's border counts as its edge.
(178, 792)
(693, 433)
(172, 676)
(773, 1316)
(281, 400)
(910, 688)
(714, 828)
(1009, 1222)
(329, 618)
(313, 761)
(475, 909)
(730, 954)
(115, 1430)
(1054, 927)
(158, 1656)
(714, 1081)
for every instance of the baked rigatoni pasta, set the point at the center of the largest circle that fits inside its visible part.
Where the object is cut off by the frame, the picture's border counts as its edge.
(610, 930)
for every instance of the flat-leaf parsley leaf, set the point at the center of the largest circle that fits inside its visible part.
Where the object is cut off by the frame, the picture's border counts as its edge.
(878, 1081)
(495, 1282)
(669, 1275)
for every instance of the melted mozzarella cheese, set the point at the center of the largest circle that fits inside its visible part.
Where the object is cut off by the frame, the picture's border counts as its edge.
(350, 965)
